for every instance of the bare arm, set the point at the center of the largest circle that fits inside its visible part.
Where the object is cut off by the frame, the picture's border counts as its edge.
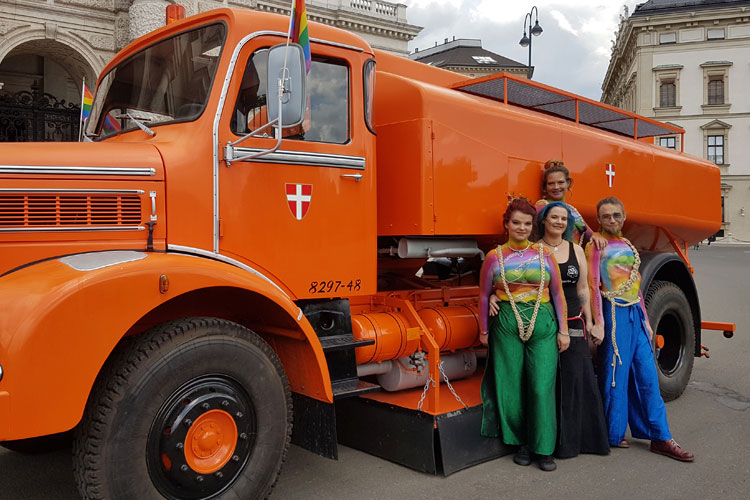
(582, 288)
(486, 275)
(645, 315)
(556, 294)
(593, 260)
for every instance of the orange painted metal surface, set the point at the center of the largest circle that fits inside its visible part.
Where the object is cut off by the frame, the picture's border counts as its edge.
(66, 312)
(468, 151)
(210, 442)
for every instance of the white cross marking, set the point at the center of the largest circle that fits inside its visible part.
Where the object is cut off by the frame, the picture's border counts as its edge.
(298, 198)
(610, 173)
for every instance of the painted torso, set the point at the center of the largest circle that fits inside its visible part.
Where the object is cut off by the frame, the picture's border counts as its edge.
(523, 274)
(615, 265)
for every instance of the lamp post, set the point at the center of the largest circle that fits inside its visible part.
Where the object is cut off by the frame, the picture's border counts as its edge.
(536, 30)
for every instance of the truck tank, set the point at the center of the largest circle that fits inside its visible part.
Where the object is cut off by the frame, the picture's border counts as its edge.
(474, 141)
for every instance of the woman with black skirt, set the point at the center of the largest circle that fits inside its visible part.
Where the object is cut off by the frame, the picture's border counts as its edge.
(582, 427)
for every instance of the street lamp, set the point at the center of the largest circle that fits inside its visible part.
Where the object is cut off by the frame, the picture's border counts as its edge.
(536, 30)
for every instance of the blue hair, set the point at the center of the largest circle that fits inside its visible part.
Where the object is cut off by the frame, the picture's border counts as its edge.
(568, 233)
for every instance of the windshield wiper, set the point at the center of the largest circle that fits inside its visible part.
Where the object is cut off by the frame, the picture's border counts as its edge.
(138, 121)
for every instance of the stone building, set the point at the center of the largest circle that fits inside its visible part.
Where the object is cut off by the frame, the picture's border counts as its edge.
(467, 57)
(48, 47)
(686, 62)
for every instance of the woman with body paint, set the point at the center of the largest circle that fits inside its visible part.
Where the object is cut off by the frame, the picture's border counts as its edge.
(556, 185)
(518, 387)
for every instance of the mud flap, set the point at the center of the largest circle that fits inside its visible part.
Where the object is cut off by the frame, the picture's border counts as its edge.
(435, 444)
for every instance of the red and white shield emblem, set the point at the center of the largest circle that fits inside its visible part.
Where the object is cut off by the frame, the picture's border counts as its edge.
(298, 198)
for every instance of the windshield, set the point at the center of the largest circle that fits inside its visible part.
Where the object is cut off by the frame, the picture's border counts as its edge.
(168, 81)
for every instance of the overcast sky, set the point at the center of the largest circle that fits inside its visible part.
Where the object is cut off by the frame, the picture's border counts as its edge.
(572, 53)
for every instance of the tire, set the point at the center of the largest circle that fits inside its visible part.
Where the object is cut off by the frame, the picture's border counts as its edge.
(194, 409)
(670, 316)
(42, 444)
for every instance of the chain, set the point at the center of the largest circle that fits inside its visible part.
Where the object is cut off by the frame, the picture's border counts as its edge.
(424, 392)
(448, 383)
(431, 382)
(523, 333)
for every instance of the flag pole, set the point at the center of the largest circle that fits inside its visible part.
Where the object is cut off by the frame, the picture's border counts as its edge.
(80, 118)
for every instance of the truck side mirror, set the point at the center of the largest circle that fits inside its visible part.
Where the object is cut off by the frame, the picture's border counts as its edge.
(289, 80)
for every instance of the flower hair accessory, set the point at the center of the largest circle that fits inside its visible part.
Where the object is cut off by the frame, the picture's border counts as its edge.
(512, 197)
(553, 163)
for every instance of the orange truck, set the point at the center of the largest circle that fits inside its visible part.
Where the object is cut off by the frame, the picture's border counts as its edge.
(239, 245)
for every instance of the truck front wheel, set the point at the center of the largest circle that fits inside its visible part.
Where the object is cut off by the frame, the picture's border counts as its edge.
(194, 409)
(670, 317)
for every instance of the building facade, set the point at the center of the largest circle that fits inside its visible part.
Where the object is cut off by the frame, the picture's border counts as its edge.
(686, 62)
(48, 47)
(467, 57)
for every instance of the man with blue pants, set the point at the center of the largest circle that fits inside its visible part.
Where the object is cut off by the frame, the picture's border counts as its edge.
(627, 374)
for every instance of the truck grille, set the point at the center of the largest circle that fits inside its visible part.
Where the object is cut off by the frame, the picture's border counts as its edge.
(50, 209)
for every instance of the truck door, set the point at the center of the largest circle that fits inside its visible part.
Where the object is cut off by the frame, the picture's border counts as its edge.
(304, 215)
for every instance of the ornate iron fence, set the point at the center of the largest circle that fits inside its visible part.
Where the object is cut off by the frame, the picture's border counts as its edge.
(37, 116)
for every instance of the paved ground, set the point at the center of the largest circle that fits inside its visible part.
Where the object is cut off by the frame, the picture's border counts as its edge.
(712, 419)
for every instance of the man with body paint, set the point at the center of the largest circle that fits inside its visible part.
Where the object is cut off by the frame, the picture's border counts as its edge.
(627, 373)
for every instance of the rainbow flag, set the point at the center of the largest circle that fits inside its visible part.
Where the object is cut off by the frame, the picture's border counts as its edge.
(86, 99)
(112, 124)
(299, 30)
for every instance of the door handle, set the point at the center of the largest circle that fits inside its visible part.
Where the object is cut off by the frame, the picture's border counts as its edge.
(356, 177)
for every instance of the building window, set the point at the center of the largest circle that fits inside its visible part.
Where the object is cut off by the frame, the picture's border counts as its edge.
(715, 34)
(716, 90)
(668, 142)
(667, 94)
(667, 89)
(716, 149)
(716, 86)
(666, 38)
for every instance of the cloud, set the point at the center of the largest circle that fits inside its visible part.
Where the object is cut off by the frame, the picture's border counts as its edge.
(572, 53)
(563, 22)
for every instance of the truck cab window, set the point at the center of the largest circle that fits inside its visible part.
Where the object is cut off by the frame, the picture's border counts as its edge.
(165, 82)
(327, 116)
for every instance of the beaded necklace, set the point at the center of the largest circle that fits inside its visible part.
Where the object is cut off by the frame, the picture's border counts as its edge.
(523, 333)
(619, 292)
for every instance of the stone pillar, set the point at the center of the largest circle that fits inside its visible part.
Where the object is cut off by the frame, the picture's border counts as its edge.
(146, 16)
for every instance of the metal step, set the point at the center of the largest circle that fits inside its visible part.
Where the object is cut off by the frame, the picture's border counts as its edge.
(352, 387)
(339, 342)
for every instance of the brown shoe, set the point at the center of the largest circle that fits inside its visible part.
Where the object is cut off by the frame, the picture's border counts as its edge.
(624, 444)
(671, 449)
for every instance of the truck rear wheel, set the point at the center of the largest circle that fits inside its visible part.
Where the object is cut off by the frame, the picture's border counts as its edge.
(670, 316)
(194, 409)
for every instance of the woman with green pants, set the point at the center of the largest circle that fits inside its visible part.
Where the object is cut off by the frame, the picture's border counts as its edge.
(518, 388)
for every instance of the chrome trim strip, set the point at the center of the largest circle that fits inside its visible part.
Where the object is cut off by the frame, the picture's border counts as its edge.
(74, 191)
(53, 170)
(336, 44)
(227, 260)
(68, 229)
(304, 158)
(99, 260)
